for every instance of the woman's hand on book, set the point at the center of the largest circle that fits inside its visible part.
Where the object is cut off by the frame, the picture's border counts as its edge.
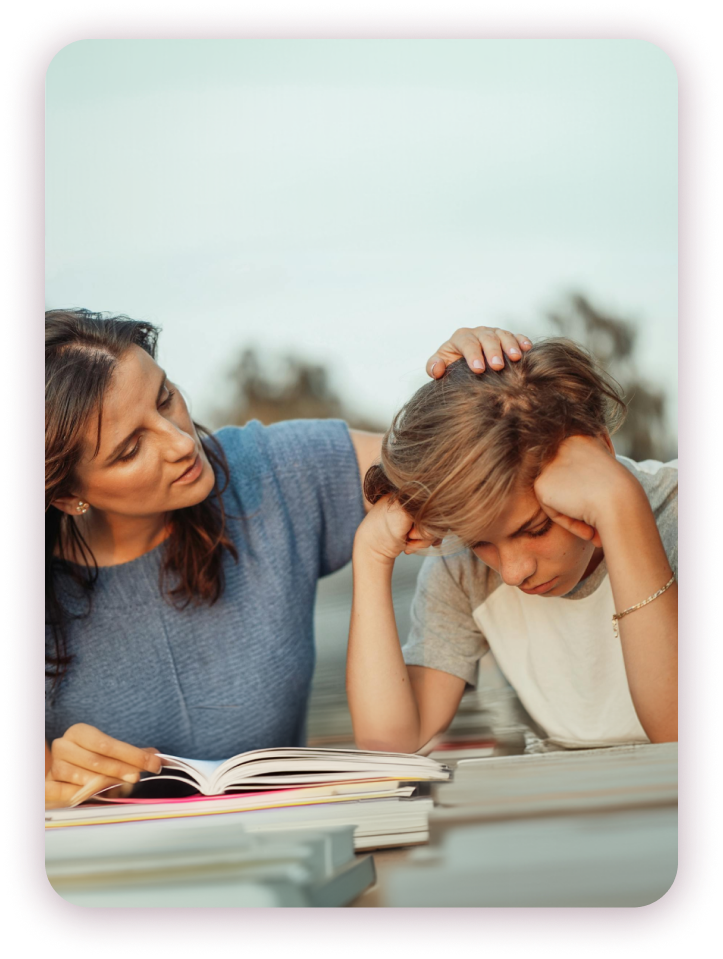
(388, 530)
(482, 346)
(84, 754)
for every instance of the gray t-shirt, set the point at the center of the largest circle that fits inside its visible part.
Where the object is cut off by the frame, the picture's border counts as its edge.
(559, 654)
(208, 682)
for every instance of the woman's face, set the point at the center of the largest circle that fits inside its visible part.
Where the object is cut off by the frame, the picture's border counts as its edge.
(531, 552)
(150, 459)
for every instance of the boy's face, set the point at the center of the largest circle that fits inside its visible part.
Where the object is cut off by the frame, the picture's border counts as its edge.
(531, 552)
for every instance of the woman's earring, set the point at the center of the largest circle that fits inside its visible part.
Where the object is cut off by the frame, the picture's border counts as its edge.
(81, 507)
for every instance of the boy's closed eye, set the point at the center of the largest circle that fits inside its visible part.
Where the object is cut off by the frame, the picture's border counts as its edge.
(541, 530)
(538, 531)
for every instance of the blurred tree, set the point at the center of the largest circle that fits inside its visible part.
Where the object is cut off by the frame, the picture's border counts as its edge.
(291, 389)
(611, 339)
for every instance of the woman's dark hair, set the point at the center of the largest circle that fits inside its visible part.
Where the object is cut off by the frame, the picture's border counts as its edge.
(464, 442)
(82, 350)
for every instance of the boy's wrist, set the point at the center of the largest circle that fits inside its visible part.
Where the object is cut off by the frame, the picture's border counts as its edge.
(626, 502)
(366, 553)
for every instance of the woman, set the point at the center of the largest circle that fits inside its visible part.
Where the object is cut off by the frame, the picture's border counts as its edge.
(565, 568)
(181, 567)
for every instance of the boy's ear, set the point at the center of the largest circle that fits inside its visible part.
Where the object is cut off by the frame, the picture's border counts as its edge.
(72, 505)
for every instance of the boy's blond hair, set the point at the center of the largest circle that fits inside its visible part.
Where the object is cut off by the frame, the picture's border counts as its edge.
(465, 442)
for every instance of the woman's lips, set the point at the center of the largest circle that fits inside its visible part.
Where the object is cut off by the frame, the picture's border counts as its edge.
(542, 588)
(192, 473)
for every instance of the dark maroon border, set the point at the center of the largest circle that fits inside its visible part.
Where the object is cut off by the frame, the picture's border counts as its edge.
(677, 914)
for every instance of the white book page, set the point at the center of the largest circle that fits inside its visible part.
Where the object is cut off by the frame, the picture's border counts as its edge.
(203, 771)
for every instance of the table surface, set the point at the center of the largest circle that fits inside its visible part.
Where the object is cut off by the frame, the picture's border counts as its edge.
(583, 828)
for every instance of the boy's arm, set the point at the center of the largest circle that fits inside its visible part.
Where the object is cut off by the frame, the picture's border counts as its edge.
(394, 707)
(588, 492)
(638, 567)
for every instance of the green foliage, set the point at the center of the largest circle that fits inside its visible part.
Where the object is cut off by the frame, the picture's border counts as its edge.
(284, 390)
(612, 340)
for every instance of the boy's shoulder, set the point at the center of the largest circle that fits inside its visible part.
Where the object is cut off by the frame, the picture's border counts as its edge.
(660, 482)
(459, 571)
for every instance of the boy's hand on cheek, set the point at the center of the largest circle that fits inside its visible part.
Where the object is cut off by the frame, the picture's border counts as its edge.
(581, 484)
(388, 530)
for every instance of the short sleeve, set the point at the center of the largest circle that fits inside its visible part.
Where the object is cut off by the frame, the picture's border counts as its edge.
(443, 633)
(660, 482)
(304, 475)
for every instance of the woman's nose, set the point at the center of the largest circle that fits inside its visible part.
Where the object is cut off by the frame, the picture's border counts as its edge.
(181, 444)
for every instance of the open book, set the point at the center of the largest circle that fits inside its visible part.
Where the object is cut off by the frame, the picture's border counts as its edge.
(285, 767)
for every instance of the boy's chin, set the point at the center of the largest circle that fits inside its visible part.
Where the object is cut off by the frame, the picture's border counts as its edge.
(565, 586)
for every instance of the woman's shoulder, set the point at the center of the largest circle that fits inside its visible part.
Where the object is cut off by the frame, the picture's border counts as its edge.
(288, 443)
(300, 454)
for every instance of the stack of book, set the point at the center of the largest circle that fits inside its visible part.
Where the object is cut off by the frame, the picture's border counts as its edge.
(148, 864)
(576, 780)
(378, 794)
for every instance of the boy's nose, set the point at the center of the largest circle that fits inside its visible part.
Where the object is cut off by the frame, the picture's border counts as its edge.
(515, 570)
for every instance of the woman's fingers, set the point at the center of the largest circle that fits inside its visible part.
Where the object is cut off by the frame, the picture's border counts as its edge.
(65, 793)
(73, 764)
(94, 741)
(86, 760)
(482, 347)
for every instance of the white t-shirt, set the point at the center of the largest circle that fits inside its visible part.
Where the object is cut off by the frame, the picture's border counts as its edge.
(559, 654)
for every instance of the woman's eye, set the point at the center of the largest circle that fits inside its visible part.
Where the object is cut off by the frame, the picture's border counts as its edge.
(133, 452)
(167, 401)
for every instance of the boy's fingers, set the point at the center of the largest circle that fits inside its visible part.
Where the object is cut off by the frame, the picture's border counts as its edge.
(576, 527)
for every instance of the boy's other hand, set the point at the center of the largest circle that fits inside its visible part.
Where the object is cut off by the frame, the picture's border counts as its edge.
(388, 530)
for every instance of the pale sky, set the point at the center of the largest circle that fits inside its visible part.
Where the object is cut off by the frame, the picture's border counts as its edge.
(354, 201)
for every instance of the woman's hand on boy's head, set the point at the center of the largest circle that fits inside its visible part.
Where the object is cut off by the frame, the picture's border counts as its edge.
(481, 346)
(580, 484)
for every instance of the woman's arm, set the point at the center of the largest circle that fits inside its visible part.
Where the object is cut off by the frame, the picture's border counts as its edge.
(589, 493)
(83, 754)
(393, 707)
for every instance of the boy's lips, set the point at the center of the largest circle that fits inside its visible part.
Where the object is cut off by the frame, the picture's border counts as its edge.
(542, 588)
